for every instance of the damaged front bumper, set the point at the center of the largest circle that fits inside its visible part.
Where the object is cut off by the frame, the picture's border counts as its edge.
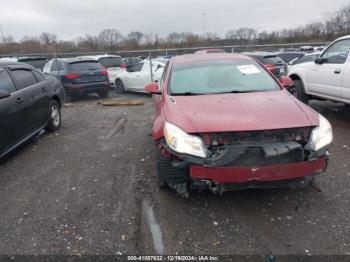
(264, 165)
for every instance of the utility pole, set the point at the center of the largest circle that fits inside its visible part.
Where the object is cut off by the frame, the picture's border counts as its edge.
(2, 34)
(204, 14)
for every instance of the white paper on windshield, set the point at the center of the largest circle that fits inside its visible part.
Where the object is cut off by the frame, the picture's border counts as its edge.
(248, 69)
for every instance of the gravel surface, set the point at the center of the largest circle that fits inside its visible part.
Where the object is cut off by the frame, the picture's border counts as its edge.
(80, 191)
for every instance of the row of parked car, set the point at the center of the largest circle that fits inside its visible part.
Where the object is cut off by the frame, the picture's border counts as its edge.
(98, 73)
(223, 121)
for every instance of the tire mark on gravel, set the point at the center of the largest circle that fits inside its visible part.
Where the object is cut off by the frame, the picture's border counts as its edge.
(119, 127)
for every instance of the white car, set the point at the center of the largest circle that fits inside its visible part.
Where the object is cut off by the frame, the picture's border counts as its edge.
(114, 64)
(327, 77)
(137, 76)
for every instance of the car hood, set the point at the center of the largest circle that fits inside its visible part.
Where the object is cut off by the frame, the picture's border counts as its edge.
(238, 112)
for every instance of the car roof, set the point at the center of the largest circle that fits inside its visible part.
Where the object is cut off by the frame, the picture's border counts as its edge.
(70, 60)
(97, 57)
(205, 57)
(32, 58)
(261, 53)
(13, 63)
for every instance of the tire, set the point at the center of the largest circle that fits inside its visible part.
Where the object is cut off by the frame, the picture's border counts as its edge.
(119, 86)
(54, 122)
(300, 92)
(103, 93)
(167, 173)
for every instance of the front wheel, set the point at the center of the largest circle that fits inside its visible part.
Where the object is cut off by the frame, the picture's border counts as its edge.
(54, 122)
(299, 92)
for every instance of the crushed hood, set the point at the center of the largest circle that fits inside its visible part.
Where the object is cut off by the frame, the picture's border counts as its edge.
(238, 112)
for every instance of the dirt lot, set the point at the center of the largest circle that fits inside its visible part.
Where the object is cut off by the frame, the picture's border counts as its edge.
(81, 191)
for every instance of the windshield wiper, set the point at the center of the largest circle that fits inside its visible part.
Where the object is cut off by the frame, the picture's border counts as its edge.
(187, 94)
(239, 91)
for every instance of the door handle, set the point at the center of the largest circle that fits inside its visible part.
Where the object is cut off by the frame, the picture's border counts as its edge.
(19, 100)
(337, 71)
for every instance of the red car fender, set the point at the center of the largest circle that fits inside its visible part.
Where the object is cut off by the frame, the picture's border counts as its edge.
(158, 126)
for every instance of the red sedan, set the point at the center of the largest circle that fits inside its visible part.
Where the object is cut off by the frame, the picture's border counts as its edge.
(224, 122)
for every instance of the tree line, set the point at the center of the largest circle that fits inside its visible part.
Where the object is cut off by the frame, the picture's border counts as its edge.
(332, 26)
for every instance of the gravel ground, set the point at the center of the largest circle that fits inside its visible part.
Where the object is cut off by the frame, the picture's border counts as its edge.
(80, 191)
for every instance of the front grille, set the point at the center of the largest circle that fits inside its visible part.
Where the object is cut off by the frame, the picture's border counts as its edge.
(253, 146)
(300, 135)
(255, 157)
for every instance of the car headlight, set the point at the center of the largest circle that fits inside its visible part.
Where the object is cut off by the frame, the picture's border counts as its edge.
(183, 143)
(322, 135)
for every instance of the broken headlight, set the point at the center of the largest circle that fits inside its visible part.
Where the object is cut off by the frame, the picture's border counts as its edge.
(183, 143)
(322, 135)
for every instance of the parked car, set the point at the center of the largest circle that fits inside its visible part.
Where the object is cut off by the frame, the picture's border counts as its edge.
(114, 64)
(136, 77)
(79, 76)
(211, 50)
(271, 61)
(37, 62)
(307, 57)
(288, 56)
(327, 77)
(307, 49)
(131, 61)
(223, 122)
(29, 102)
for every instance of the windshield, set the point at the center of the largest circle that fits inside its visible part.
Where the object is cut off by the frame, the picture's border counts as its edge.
(220, 76)
(111, 61)
(85, 66)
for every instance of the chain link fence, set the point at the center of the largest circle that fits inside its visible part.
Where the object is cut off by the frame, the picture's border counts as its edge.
(92, 76)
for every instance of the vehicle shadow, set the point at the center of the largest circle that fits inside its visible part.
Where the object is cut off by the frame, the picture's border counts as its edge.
(332, 110)
(21, 149)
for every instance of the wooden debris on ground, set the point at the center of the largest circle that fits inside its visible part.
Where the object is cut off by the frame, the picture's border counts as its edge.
(130, 102)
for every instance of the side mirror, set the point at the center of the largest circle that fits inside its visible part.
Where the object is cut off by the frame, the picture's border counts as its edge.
(152, 88)
(4, 94)
(286, 81)
(320, 60)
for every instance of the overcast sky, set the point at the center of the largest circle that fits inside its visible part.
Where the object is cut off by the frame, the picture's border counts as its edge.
(69, 19)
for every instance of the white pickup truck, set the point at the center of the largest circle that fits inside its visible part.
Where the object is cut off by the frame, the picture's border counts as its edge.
(327, 77)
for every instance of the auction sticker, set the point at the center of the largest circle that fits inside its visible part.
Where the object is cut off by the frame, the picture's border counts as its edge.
(248, 69)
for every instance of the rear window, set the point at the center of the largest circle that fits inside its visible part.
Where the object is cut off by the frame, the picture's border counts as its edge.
(287, 57)
(24, 78)
(111, 61)
(37, 63)
(85, 66)
(271, 60)
(220, 76)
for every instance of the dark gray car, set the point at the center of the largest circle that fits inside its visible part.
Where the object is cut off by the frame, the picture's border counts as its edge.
(79, 76)
(29, 102)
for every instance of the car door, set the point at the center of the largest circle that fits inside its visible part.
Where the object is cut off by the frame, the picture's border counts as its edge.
(14, 113)
(345, 90)
(131, 77)
(34, 95)
(326, 79)
(42, 99)
(145, 75)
